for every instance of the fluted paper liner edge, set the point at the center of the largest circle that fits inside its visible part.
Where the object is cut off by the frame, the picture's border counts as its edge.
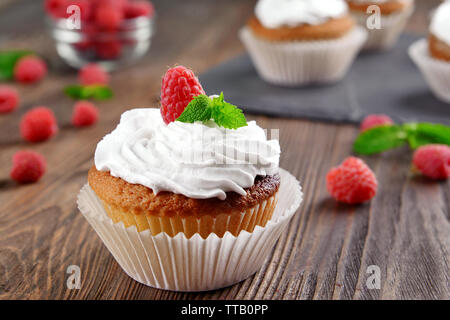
(391, 27)
(293, 63)
(435, 71)
(194, 264)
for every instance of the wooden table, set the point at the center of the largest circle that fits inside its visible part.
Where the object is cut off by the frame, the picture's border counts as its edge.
(325, 252)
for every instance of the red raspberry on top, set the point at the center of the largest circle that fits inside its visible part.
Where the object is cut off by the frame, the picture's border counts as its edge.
(179, 87)
(352, 182)
(38, 124)
(136, 9)
(433, 161)
(93, 74)
(9, 99)
(28, 166)
(30, 69)
(375, 120)
(84, 114)
(108, 16)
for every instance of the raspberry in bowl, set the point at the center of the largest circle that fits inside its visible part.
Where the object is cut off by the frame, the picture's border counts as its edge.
(112, 33)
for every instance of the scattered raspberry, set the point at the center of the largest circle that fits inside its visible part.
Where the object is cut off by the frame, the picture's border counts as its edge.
(375, 120)
(9, 99)
(28, 166)
(30, 69)
(84, 114)
(108, 17)
(38, 124)
(136, 9)
(352, 182)
(108, 49)
(56, 8)
(179, 87)
(433, 161)
(93, 74)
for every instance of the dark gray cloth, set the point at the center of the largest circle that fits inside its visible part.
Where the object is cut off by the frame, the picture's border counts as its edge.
(379, 82)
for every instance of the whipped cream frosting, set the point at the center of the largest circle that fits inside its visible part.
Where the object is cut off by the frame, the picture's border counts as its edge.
(440, 24)
(277, 13)
(194, 159)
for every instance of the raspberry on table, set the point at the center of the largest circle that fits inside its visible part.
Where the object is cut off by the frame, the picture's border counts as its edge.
(352, 182)
(375, 120)
(433, 161)
(27, 166)
(38, 124)
(134, 9)
(179, 87)
(93, 74)
(84, 114)
(9, 99)
(30, 69)
(108, 16)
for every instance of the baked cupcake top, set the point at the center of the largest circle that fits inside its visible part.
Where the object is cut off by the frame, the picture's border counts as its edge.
(274, 14)
(440, 24)
(199, 160)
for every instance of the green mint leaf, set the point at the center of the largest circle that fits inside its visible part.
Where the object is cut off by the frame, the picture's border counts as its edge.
(380, 139)
(98, 92)
(199, 109)
(8, 60)
(227, 115)
(224, 114)
(420, 134)
(73, 91)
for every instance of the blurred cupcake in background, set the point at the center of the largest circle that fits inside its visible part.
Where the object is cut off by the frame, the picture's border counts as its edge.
(298, 42)
(394, 15)
(432, 55)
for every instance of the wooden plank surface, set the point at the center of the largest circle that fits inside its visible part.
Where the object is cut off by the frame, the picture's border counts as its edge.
(326, 250)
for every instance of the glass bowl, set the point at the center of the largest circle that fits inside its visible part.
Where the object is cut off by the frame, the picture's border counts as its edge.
(110, 49)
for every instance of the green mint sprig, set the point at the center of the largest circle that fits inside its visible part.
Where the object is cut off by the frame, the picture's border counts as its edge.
(98, 92)
(202, 108)
(382, 138)
(8, 60)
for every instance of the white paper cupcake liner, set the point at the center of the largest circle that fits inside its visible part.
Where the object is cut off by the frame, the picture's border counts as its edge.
(435, 71)
(303, 62)
(391, 27)
(194, 264)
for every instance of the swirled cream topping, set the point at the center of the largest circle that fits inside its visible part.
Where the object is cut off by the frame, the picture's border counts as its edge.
(277, 13)
(194, 159)
(440, 24)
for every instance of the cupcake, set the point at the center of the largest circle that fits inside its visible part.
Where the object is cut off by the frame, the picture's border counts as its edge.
(169, 178)
(394, 15)
(432, 55)
(298, 42)
(172, 191)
